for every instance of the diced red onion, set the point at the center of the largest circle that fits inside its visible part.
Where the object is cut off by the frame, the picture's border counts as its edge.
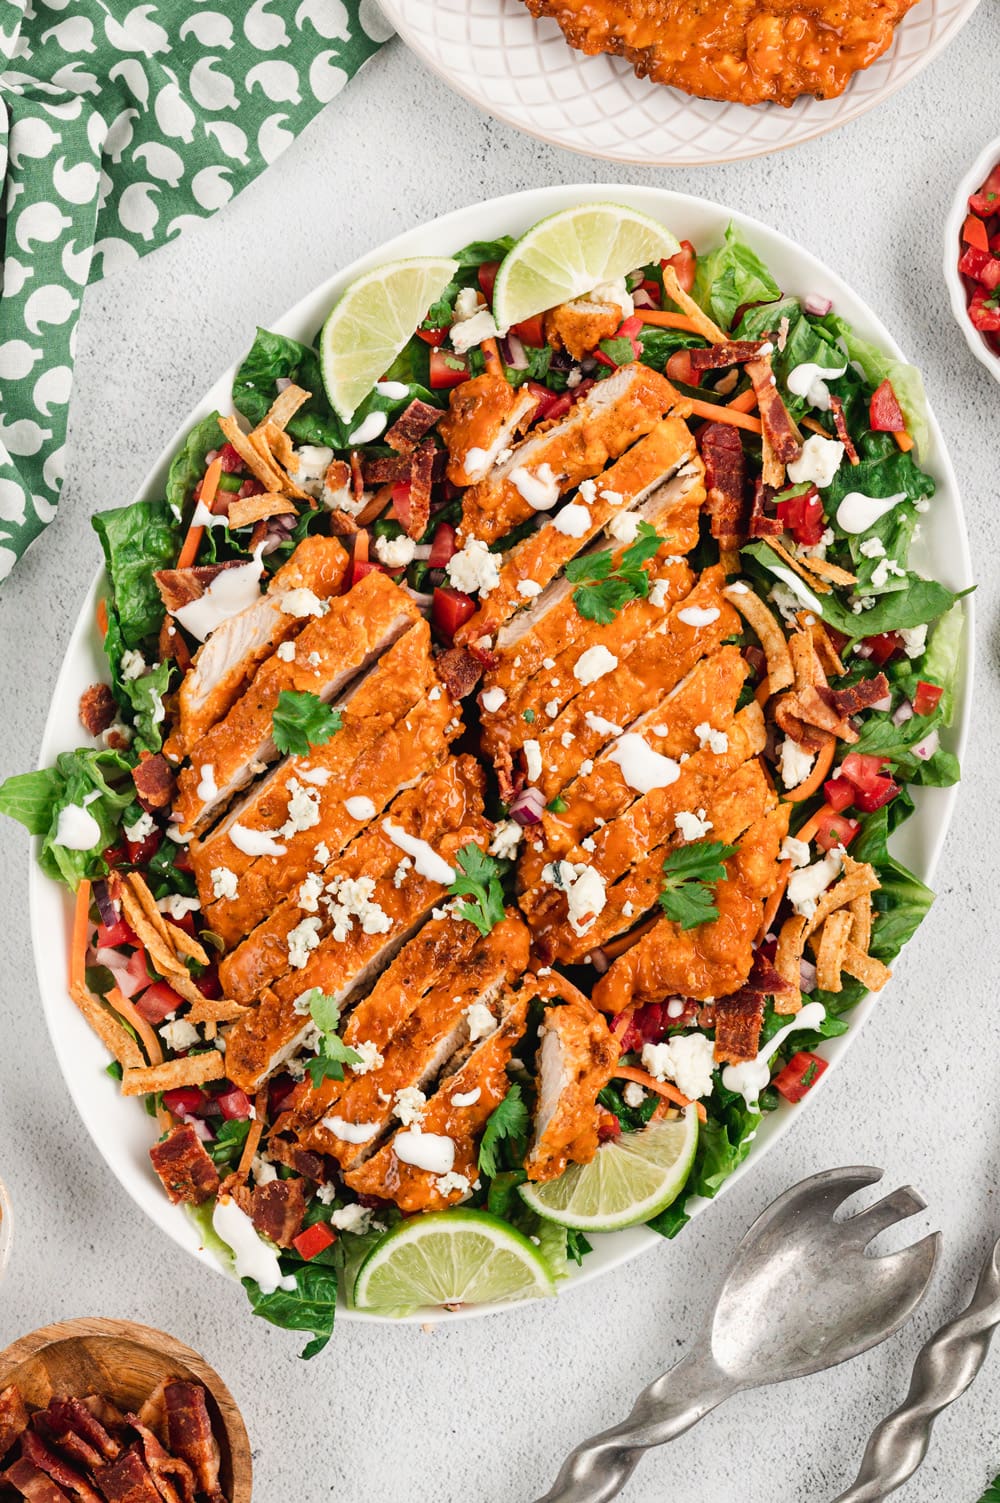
(211, 456)
(807, 976)
(423, 602)
(422, 550)
(885, 703)
(283, 383)
(117, 963)
(105, 907)
(926, 748)
(599, 961)
(642, 299)
(527, 806)
(861, 651)
(817, 304)
(513, 353)
(201, 1129)
(904, 713)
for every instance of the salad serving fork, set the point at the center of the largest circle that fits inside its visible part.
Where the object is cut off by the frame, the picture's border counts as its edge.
(800, 1296)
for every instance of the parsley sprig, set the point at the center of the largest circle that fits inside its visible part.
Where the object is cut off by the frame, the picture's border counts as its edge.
(333, 1053)
(602, 591)
(689, 877)
(479, 882)
(301, 721)
(508, 1122)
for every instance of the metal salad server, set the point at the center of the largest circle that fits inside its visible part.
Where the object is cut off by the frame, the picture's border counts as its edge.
(946, 1364)
(800, 1296)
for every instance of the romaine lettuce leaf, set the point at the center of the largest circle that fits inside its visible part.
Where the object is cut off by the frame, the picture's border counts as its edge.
(137, 540)
(145, 696)
(942, 660)
(36, 798)
(907, 381)
(731, 276)
(188, 464)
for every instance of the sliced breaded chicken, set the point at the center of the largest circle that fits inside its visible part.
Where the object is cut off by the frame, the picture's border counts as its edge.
(483, 419)
(576, 1059)
(447, 1138)
(713, 959)
(579, 326)
(553, 460)
(224, 665)
(645, 481)
(350, 634)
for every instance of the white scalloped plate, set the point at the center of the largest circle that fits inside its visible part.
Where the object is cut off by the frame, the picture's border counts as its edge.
(524, 72)
(121, 1131)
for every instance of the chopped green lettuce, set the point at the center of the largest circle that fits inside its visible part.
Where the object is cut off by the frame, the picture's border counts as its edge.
(188, 464)
(137, 540)
(906, 380)
(36, 799)
(730, 276)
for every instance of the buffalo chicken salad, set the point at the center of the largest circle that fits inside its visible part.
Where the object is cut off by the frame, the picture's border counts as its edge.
(485, 819)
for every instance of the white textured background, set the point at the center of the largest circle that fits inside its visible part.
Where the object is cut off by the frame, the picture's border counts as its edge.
(483, 1412)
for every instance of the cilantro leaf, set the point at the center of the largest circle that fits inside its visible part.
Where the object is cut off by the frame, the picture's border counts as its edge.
(646, 546)
(481, 883)
(589, 567)
(602, 602)
(509, 1121)
(323, 1010)
(301, 721)
(577, 1245)
(601, 593)
(687, 896)
(333, 1053)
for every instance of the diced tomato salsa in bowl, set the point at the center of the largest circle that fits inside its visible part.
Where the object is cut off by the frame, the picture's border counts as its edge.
(979, 260)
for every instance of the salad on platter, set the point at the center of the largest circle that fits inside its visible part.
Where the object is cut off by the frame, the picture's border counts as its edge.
(486, 816)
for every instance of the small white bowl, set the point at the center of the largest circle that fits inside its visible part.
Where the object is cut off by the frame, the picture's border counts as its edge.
(973, 180)
(6, 1228)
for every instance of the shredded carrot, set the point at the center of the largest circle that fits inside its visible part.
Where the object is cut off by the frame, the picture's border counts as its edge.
(667, 320)
(491, 355)
(814, 427)
(660, 1087)
(124, 1008)
(818, 771)
(774, 899)
(812, 824)
(101, 615)
(80, 935)
(745, 402)
(723, 413)
(191, 544)
(361, 547)
(254, 1135)
(762, 693)
(904, 441)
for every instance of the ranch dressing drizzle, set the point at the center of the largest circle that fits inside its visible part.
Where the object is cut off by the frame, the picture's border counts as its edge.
(643, 768)
(77, 829)
(809, 381)
(751, 1077)
(230, 592)
(254, 1258)
(426, 860)
(425, 1150)
(857, 512)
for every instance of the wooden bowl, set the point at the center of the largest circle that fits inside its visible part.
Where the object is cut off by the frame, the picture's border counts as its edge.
(126, 1361)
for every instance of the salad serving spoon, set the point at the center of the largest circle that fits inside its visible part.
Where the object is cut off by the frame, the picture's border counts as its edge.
(801, 1295)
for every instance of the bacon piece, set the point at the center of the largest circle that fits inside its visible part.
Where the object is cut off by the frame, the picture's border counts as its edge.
(733, 352)
(762, 525)
(725, 482)
(843, 432)
(860, 696)
(788, 718)
(128, 1481)
(357, 478)
(738, 1020)
(34, 1449)
(387, 470)
(13, 1418)
(283, 1151)
(460, 670)
(65, 1416)
(179, 587)
(33, 1484)
(277, 1209)
(97, 709)
(779, 430)
(154, 780)
(173, 1478)
(186, 1170)
(765, 979)
(412, 425)
(421, 479)
(172, 644)
(189, 1435)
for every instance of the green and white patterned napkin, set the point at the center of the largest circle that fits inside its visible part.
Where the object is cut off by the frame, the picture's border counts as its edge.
(120, 122)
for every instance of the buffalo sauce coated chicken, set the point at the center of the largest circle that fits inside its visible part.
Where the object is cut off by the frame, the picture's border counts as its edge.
(745, 51)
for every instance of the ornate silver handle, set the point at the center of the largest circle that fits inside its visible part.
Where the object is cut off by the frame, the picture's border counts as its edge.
(944, 1368)
(600, 1467)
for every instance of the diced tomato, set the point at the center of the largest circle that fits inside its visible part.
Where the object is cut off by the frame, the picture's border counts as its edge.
(451, 609)
(185, 922)
(433, 337)
(137, 972)
(799, 1075)
(884, 412)
(362, 566)
(653, 291)
(882, 791)
(974, 233)
(486, 276)
(685, 264)
(208, 982)
(230, 459)
(884, 647)
(803, 517)
(973, 262)
(114, 855)
(839, 793)
(157, 1002)
(185, 1101)
(314, 1240)
(234, 1104)
(110, 936)
(443, 546)
(608, 1126)
(985, 203)
(925, 700)
(862, 770)
(141, 851)
(249, 488)
(835, 829)
(550, 403)
(447, 369)
(531, 331)
(990, 274)
(984, 310)
(278, 1092)
(679, 368)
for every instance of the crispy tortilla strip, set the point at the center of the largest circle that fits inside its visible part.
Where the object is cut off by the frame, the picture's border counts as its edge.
(861, 913)
(212, 1010)
(830, 953)
(828, 655)
(772, 471)
(865, 968)
(258, 508)
(195, 1069)
(819, 585)
(174, 935)
(264, 469)
(285, 405)
(858, 879)
(687, 305)
(805, 662)
(791, 943)
(780, 674)
(276, 449)
(109, 1029)
(829, 571)
(159, 950)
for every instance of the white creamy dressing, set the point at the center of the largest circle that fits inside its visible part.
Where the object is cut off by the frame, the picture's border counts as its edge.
(426, 860)
(540, 490)
(818, 462)
(394, 390)
(809, 381)
(751, 1077)
(698, 615)
(202, 517)
(360, 807)
(207, 789)
(372, 428)
(230, 592)
(255, 1259)
(798, 587)
(425, 1150)
(77, 829)
(643, 768)
(857, 512)
(255, 842)
(350, 1132)
(467, 1098)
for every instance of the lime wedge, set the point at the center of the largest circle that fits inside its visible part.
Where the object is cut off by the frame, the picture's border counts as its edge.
(371, 323)
(630, 1179)
(572, 252)
(451, 1257)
